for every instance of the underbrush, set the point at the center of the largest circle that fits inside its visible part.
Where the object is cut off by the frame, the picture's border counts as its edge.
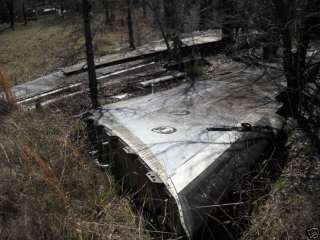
(48, 187)
(292, 208)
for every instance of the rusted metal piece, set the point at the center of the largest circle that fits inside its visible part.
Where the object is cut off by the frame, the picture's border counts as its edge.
(6, 89)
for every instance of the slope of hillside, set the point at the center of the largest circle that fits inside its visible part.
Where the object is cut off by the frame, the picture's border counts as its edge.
(292, 209)
(49, 188)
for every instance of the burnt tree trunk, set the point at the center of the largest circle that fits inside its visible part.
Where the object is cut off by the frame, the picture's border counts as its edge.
(156, 9)
(226, 7)
(10, 5)
(107, 12)
(130, 25)
(144, 7)
(62, 8)
(206, 10)
(169, 17)
(86, 9)
(295, 41)
(24, 13)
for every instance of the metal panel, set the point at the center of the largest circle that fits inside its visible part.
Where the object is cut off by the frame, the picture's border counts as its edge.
(168, 131)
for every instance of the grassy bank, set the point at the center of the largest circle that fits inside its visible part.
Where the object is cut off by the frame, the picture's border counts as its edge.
(48, 187)
(292, 207)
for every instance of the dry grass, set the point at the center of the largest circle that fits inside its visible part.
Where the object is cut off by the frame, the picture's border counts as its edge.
(42, 47)
(48, 187)
(5, 87)
(45, 45)
(7, 98)
(293, 206)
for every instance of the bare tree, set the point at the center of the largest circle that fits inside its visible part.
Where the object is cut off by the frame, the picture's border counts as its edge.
(107, 11)
(62, 8)
(171, 17)
(144, 7)
(206, 10)
(11, 10)
(130, 25)
(289, 25)
(228, 11)
(86, 8)
(292, 19)
(281, 23)
(24, 12)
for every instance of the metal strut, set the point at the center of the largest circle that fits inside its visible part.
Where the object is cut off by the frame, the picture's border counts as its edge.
(245, 127)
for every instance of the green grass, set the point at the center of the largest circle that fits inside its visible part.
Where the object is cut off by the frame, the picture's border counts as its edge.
(194, 71)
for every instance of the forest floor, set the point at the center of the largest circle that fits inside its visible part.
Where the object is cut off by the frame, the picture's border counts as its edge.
(43, 46)
(43, 153)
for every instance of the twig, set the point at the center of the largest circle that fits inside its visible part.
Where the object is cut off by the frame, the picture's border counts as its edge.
(220, 205)
(5, 153)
